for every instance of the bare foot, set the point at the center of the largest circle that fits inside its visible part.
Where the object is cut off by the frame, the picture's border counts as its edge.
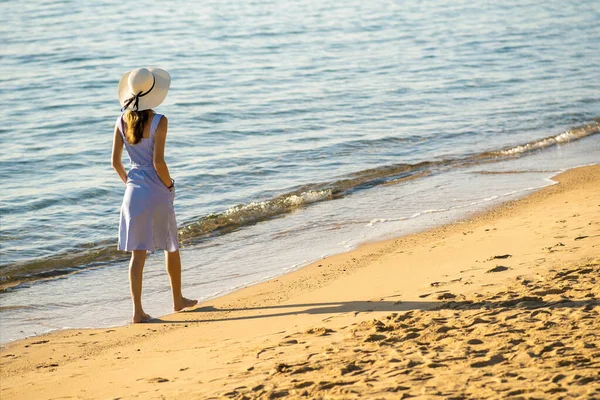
(184, 303)
(140, 318)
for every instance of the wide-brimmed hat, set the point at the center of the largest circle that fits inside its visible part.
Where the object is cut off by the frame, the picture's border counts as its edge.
(143, 88)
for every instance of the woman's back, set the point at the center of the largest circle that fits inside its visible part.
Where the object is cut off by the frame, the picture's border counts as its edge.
(141, 154)
(147, 214)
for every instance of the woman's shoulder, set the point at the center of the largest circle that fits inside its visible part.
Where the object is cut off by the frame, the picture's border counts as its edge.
(163, 119)
(156, 114)
(119, 122)
(161, 127)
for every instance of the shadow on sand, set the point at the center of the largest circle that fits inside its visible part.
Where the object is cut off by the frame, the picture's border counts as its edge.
(212, 314)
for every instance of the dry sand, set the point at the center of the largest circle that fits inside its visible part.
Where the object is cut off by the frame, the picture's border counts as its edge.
(504, 305)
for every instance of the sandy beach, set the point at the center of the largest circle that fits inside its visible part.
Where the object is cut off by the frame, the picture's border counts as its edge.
(503, 305)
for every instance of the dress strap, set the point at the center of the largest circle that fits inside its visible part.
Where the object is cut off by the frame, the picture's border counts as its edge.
(154, 124)
(119, 125)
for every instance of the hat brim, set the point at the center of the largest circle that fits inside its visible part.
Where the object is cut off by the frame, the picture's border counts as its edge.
(162, 81)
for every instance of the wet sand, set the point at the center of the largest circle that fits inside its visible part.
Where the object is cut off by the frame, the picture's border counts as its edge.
(504, 305)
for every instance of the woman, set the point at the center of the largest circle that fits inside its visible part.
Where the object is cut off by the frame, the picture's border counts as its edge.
(147, 214)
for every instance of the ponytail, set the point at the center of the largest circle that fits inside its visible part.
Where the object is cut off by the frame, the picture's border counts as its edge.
(135, 120)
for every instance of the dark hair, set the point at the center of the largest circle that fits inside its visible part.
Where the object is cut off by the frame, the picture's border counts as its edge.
(136, 121)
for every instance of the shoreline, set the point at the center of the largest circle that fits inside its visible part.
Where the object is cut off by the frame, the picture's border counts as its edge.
(63, 263)
(368, 282)
(385, 237)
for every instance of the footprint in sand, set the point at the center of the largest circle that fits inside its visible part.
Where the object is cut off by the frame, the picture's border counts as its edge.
(498, 268)
(398, 388)
(263, 350)
(304, 369)
(374, 338)
(474, 342)
(551, 291)
(429, 294)
(438, 284)
(351, 367)
(493, 360)
(157, 380)
(302, 385)
(319, 331)
(47, 366)
(288, 342)
(325, 385)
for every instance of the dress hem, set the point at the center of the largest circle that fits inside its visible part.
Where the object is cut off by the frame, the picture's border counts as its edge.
(170, 250)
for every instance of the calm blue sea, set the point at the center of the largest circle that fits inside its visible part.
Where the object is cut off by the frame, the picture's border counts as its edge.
(297, 129)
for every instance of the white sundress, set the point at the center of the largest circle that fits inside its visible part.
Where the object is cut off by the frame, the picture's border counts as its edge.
(147, 213)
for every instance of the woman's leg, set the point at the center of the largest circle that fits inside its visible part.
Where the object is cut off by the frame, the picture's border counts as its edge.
(173, 262)
(136, 268)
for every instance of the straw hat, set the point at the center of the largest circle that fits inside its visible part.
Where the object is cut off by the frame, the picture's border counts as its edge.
(143, 88)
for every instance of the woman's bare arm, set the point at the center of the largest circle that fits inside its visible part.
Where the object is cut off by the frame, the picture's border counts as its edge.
(160, 138)
(117, 153)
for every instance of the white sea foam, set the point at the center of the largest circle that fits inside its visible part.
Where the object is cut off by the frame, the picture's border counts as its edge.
(375, 221)
(564, 137)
